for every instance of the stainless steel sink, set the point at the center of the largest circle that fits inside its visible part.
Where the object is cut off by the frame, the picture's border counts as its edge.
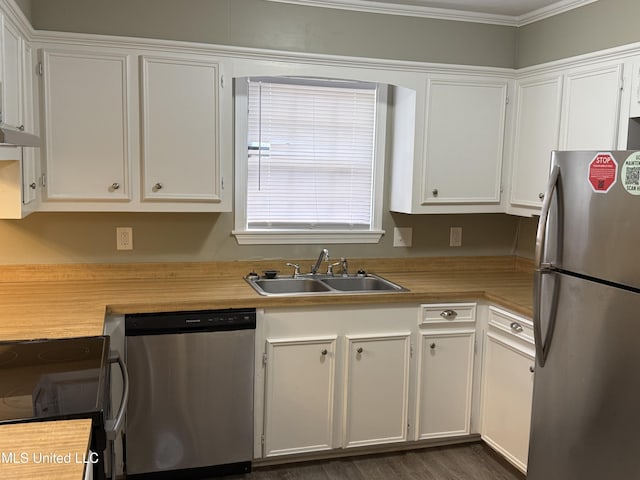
(288, 285)
(323, 284)
(368, 283)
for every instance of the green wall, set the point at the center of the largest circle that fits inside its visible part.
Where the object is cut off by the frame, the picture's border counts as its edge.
(596, 26)
(90, 237)
(273, 25)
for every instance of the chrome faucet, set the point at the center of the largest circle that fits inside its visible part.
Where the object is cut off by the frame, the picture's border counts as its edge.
(324, 255)
(344, 266)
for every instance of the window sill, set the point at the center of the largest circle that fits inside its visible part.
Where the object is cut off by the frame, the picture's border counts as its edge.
(306, 237)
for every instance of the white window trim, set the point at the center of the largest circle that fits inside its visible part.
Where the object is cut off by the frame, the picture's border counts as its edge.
(266, 237)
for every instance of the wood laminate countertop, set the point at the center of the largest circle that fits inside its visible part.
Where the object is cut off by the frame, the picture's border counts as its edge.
(72, 300)
(44, 450)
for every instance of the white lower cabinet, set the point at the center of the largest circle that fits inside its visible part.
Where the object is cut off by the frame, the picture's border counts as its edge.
(334, 377)
(509, 361)
(376, 389)
(445, 370)
(299, 413)
(446, 378)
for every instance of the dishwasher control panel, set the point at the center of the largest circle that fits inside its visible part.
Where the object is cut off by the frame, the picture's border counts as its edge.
(190, 321)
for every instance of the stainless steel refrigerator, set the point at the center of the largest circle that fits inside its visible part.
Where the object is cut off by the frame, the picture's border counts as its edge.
(586, 395)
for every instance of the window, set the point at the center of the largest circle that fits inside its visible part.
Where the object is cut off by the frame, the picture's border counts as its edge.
(309, 160)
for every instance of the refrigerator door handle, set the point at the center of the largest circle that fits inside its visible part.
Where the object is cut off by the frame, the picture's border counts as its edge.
(541, 234)
(542, 345)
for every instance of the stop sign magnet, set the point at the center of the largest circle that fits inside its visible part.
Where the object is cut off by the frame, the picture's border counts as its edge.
(603, 172)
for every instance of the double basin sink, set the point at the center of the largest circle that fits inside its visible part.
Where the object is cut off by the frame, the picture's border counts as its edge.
(323, 284)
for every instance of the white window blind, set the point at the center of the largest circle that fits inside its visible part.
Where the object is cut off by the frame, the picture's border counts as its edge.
(310, 154)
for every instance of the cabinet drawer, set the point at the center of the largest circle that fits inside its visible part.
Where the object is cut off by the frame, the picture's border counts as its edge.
(516, 325)
(448, 313)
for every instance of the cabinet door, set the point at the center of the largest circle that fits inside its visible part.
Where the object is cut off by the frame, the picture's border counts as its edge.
(507, 396)
(29, 154)
(181, 159)
(376, 390)
(536, 134)
(464, 140)
(299, 395)
(445, 384)
(591, 109)
(87, 125)
(12, 48)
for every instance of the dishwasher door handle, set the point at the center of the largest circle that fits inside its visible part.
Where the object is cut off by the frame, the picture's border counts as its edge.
(112, 427)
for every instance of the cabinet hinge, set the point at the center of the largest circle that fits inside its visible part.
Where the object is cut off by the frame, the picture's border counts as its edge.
(411, 350)
(222, 81)
(40, 69)
(262, 439)
(222, 183)
(475, 347)
(622, 83)
(43, 180)
(507, 100)
(408, 428)
(264, 358)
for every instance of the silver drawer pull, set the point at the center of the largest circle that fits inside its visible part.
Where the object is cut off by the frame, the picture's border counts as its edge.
(324, 351)
(432, 346)
(359, 350)
(532, 369)
(448, 314)
(516, 327)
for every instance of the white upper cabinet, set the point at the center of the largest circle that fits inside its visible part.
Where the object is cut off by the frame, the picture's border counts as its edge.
(19, 170)
(537, 127)
(87, 123)
(591, 108)
(448, 145)
(12, 70)
(130, 132)
(181, 137)
(464, 140)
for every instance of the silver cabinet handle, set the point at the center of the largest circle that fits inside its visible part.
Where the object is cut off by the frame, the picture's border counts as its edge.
(360, 350)
(435, 192)
(541, 196)
(33, 185)
(157, 186)
(448, 314)
(516, 327)
(532, 369)
(115, 185)
(324, 351)
(432, 346)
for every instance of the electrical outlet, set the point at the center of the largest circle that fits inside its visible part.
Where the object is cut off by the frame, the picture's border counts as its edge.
(455, 237)
(124, 238)
(402, 237)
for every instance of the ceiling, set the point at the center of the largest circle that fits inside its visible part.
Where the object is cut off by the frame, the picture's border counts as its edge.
(504, 12)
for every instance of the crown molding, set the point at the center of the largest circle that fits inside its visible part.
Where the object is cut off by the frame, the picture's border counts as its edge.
(443, 13)
(17, 16)
(407, 10)
(550, 11)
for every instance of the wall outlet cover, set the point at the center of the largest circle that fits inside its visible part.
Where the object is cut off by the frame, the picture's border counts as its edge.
(402, 236)
(124, 238)
(455, 237)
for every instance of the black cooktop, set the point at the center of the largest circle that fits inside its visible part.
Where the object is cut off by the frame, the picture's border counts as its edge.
(53, 379)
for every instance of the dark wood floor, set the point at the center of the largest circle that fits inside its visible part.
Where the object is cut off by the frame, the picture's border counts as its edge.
(459, 462)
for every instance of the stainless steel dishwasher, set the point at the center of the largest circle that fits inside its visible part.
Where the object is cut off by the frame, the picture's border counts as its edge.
(190, 410)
